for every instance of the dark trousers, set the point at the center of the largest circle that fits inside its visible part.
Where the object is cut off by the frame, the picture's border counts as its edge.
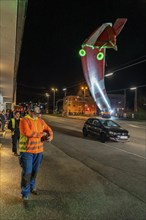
(30, 165)
(2, 125)
(15, 140)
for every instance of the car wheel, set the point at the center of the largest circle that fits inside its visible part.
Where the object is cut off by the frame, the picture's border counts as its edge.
(85, 132)
(103, 137)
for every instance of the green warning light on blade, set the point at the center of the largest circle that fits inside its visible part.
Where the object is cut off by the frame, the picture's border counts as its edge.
(82, 52)
(100, 56)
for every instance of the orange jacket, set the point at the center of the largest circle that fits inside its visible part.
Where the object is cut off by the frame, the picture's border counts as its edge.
(31, 131)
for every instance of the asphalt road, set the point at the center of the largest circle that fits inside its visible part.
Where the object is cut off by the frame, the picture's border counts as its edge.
(80, 178)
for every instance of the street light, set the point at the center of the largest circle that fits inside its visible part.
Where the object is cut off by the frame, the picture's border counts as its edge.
(47, 95)
(54, 91)
(109, 74)
(84, 88)
(135, 98)
(65, 90)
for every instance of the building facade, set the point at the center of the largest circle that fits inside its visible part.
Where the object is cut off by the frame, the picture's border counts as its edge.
(12, 20)
(78, 105)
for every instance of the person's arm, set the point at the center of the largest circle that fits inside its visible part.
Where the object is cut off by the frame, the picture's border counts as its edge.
(49, 131)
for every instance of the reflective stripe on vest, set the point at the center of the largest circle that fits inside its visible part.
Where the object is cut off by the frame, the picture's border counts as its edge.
(32, 145)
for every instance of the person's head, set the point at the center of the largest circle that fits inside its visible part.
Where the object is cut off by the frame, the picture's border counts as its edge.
(34, 111)
(17, 114)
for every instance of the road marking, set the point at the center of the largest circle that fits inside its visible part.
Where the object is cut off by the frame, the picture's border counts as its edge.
(126, 151)
(134, 126)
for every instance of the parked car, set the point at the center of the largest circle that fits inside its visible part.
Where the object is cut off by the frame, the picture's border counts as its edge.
(105, 129)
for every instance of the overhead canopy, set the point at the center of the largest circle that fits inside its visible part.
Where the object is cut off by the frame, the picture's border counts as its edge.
(12, 18)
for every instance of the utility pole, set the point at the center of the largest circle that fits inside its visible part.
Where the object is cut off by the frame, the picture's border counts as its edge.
(124, 99)
(54, 91)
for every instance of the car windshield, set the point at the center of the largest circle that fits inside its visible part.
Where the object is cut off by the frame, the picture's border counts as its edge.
(109, 123)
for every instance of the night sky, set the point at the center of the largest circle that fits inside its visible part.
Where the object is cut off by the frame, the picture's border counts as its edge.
(54, 33)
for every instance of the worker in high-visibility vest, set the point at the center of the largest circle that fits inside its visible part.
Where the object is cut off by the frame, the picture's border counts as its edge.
(33, 132)
(13, 125)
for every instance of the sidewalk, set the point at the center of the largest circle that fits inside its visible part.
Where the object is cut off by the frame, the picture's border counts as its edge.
(62, 184)
(4, 135)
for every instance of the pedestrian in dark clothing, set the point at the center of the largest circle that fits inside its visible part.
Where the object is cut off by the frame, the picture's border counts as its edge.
(9, 114)
(14, 127)
(2, 121)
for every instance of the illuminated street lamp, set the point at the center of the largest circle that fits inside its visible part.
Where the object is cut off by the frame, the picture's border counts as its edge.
(65, 90)
(109, 74)
(84, 88)
(47, 95)
(135, 98)
(54, 91)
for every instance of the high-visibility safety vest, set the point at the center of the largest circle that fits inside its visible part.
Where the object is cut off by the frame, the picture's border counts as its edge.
(13, 125)
(31, 131)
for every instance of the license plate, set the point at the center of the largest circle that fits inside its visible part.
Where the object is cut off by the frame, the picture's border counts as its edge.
(123, 137)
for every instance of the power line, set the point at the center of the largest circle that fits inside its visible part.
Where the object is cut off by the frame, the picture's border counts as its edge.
(137, 59)
(131, 61)
(129, 66)
(116, 70)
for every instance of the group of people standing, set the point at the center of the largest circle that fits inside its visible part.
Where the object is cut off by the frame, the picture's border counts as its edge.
(2, 120)
(30, 132)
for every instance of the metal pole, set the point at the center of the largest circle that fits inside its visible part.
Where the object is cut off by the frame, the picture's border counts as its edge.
(59, 100)
(135, 100)
(54, 90)
(48, 102)
(54, 103)
(65, 89)
(124, 99)
(84, 100)
(47, 95)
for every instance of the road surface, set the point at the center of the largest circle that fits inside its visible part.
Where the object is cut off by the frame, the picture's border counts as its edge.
(80, 178)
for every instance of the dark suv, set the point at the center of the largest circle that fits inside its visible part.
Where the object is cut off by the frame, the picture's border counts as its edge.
(105, 130)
